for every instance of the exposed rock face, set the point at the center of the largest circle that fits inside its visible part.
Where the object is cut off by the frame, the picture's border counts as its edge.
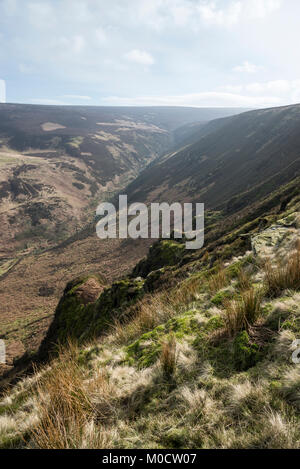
(87, 307)
(278, 238)
(89, 291)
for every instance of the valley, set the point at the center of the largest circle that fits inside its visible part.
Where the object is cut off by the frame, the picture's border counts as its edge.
(152, 333)
(57, 165)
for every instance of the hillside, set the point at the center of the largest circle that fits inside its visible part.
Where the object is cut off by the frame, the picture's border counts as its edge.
(235, 161)
(192, 349)
(197, 354)
(57, 164)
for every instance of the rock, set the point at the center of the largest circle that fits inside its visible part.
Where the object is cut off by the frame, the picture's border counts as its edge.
(89, 291)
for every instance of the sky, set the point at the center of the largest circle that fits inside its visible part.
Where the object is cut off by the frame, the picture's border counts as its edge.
(150, 52)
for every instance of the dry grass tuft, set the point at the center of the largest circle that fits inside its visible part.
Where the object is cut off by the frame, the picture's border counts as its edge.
(243, 313)
(244, 280)
(65, 406)
(168, 357)
(151, 311)
(218, 281)
(283, 276)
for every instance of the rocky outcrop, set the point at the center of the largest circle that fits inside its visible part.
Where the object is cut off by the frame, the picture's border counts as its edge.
(278, 238)
(86, 309)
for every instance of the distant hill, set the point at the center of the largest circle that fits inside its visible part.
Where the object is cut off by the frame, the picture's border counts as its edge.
(235, 161)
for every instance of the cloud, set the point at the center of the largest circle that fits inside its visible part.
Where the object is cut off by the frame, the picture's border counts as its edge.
(251, 95)
(140, 57)
(211, 14)
(2, 91)
(76, 96)
(261, 8)
(204, 99)
(161, 14)
(48, 101)
(286, 89)
(247, 67)
(102, 51)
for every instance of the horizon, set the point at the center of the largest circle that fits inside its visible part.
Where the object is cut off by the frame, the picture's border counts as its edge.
(184, 53)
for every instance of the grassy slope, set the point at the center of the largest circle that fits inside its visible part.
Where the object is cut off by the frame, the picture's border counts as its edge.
(169, 372)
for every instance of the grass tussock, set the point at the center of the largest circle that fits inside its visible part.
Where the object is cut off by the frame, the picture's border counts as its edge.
(66, 409)
(283, 276)
(168, 357)
(218, 281)
(150, 312)
(244, 280)
(243, 313)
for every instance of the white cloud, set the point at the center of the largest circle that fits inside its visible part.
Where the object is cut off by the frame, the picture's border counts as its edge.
(205, 99)
(48, 101)
(282, 88)
(87, 47)
(255, 95)
(77, 96)
(211, 14)
(161, 14)
(2, 91)
(247, 67)
(140, 57)
(261, 8)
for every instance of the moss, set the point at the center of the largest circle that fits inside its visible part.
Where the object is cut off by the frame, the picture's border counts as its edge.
(82, 322)
(181, 326)
(289, 220)
(234, 269)
(145, 351)
(161, 254)
(214, 323)
(222, 296)
(245, 353)
(86, 355)
(153, 280)
(211, 217)
(293, 324)
(176, 438)
(114, 302)
(276, 318)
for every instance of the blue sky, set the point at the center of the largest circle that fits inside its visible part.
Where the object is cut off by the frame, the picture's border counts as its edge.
(150, 52)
